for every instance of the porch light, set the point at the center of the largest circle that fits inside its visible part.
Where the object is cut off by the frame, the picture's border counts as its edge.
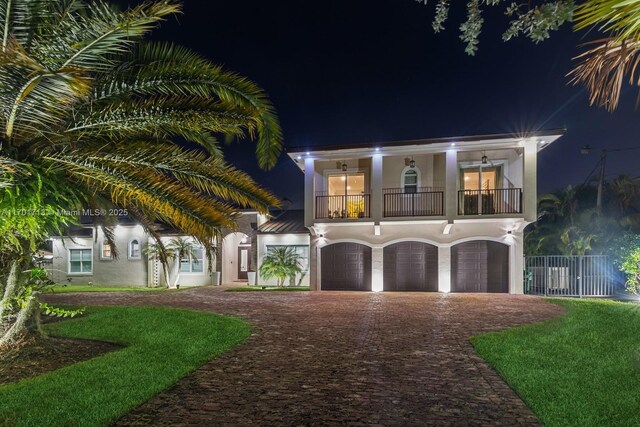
(412, 163)
(484, 160)
(344, 167)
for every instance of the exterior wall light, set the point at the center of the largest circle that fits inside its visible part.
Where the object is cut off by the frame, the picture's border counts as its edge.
(412, 163)
(344, 167)
(484, 160)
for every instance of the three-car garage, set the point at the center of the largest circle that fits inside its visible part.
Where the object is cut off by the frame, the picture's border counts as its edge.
(476, 266)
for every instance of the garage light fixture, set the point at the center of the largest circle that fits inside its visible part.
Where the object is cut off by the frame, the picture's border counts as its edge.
(344, 167)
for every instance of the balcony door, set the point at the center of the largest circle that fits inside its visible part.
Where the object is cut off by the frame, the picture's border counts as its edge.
(346, 195)
(346, 184)
(479, 185)
(479, 178)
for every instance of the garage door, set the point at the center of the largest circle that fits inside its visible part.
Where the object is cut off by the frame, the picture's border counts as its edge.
(480, 266)
(345, 267)
(411, 266)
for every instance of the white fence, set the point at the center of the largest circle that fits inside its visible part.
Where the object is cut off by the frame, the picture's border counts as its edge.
(571, 276)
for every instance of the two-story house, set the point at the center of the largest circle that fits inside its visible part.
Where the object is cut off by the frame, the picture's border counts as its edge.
(443, 214)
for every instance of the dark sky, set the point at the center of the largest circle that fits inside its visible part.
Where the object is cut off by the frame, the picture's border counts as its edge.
(344, 71)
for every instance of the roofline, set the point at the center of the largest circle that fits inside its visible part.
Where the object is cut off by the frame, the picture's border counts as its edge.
(283, 232)
(429, 141)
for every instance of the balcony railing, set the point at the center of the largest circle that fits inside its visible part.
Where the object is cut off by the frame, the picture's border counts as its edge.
(423, 202)
(490, 202)
(346, 207)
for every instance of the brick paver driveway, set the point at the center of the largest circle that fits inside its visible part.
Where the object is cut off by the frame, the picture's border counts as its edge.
(343, 359)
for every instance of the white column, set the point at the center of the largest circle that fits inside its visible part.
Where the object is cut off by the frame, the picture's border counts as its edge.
(376, 188)
(530, 189)
(377, 262)
(309, 192)
(444, 269)
(516, 253)
(451, 196)
(314, 264)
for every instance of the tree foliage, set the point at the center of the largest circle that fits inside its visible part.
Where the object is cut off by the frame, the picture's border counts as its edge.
(605, 64)
(94, 114)
(568, 223)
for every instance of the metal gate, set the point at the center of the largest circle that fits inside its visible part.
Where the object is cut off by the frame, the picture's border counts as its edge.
(570, 276)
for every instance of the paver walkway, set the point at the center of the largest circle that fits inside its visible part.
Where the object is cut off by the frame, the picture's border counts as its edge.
(342, 359)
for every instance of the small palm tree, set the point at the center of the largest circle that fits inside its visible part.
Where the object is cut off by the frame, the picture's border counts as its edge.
(280, 263)
(181, 248)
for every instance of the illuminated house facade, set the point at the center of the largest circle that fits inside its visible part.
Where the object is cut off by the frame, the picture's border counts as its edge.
(443, 214)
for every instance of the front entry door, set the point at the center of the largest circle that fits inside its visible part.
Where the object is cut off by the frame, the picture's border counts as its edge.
(243, 262)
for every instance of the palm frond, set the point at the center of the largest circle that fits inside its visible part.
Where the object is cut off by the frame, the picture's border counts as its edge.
(161, 117)
(194, 169)
(157, 196)
(604, 68)
(167, 70)
(621, 19)
(102, 31)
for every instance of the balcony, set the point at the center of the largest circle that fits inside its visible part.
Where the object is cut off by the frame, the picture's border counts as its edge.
(496, 201)
(343, 207)
(423, 202)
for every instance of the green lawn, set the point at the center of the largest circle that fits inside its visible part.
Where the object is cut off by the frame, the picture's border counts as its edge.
(582, 369)
(91, 288)
(269, 289)
(162, 346)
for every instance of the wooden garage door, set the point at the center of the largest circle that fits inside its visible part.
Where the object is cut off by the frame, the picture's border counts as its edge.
(480, 266)
(411, 266)
(346, 267)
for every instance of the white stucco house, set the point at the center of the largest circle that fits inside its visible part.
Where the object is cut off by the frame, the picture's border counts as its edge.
(443, 214)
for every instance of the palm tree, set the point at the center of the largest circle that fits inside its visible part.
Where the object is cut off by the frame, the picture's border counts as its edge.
(181, 248)
(280, 263)
(94, 109)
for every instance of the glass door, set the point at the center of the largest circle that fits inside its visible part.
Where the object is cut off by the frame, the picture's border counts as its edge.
(346, 195)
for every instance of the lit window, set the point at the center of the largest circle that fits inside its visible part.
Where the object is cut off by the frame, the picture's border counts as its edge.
(410, 181)
(134, 249)
(301, 250)
(193, 263)
(106, 250)
(80, 261)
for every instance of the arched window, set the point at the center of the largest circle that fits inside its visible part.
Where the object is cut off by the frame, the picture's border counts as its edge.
(410, 180)
(134, 249)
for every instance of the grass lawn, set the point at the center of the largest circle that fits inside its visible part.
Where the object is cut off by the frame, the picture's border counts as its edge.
(162, 346)
(582, 369)
(91, 288)
(259, 288)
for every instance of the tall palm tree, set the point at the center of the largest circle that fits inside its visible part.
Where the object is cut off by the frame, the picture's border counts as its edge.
(93, 110)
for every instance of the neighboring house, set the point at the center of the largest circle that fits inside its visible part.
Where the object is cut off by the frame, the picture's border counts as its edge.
(443, 214)
(84, 256)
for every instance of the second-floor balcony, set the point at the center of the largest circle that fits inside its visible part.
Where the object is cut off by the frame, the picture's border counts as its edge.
(343, 206)
(497, 201)
(427, 201)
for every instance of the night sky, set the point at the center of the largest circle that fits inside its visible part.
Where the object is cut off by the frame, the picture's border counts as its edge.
(346, 71)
